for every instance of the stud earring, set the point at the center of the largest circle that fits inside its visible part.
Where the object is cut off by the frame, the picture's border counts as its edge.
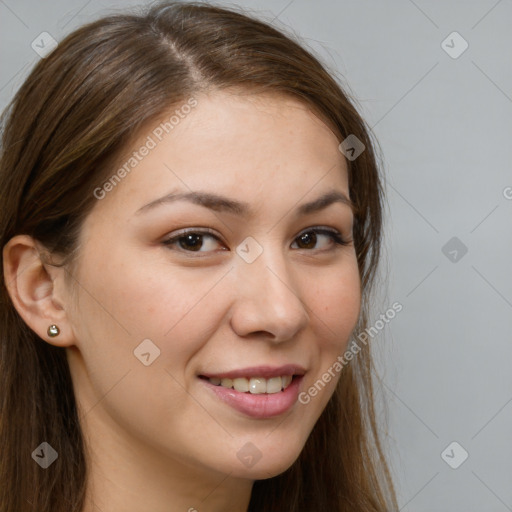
(53, 331)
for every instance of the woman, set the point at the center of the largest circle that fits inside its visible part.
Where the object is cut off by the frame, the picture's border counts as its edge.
(190, 227)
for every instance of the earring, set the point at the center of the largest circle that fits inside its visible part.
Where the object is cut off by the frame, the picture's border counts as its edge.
(53, 331)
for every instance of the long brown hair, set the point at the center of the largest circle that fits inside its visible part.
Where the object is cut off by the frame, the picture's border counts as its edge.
(62, 134)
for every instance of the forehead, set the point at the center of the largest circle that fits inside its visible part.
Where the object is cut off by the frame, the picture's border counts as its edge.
(238, 144)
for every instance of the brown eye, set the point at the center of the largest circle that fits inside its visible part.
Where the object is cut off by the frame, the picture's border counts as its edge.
(194, 241)
(308, 240)
(191, 241)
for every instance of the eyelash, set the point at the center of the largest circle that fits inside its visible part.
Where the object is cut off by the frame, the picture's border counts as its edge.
(335, 236)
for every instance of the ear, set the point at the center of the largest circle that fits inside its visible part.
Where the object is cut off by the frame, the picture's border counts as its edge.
(37, 289)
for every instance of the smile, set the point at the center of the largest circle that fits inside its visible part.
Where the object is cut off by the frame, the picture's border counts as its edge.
(254, 385)
(257, 391)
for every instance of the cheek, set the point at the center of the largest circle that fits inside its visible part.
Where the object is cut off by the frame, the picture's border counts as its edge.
(178, 309)
(124, 304)
(148, 297)
(336, 304)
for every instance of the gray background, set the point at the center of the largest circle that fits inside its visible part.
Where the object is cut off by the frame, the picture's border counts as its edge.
(444, 125)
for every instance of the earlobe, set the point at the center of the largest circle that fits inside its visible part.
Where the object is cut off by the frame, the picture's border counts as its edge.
(32, 285)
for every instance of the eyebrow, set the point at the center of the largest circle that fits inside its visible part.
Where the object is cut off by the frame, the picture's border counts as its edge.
(225, 204)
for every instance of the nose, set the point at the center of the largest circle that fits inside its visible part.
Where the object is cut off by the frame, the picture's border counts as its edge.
(267, 300)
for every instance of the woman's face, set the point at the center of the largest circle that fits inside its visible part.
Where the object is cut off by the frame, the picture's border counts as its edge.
(261, 294)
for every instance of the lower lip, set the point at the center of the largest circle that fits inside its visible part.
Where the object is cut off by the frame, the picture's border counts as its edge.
(264, 405)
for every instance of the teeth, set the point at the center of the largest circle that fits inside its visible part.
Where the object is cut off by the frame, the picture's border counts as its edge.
(257, 386)
(286, 381)
(274, 384)
(226, 383)
(241, 385)
(254, 385)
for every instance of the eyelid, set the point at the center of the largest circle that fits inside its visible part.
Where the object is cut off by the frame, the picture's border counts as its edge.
(199, 231)
(317, 228)
(173, 239)
(337, 235)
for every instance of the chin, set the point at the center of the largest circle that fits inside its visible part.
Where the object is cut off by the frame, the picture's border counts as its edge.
(267, 466)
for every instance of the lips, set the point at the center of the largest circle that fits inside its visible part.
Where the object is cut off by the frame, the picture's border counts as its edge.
(259, 391)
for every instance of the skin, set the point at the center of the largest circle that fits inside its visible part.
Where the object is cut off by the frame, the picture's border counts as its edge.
(158, 439)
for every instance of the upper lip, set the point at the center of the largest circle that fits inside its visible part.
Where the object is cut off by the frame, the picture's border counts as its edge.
(265, 372)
